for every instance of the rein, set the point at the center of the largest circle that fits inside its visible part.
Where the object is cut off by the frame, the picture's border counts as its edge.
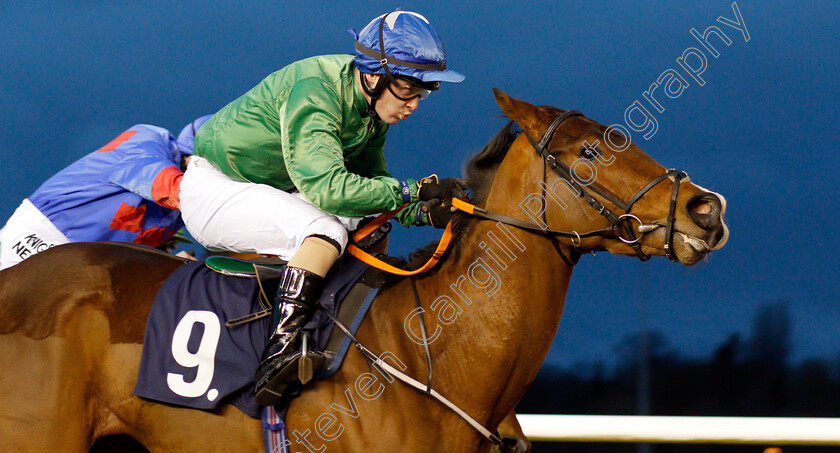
(367, 258)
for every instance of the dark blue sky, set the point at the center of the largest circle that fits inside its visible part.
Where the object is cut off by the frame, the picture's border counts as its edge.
(762, 130)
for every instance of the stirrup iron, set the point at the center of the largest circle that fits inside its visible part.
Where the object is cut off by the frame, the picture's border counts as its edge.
(305, 365)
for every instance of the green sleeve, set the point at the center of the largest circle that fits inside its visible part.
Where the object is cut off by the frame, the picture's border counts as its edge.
(310, 124)
(408, 216)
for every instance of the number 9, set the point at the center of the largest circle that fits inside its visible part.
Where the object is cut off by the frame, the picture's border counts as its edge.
(204, 358)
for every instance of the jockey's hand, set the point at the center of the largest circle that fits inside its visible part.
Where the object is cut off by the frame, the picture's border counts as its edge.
(444, 189)
(437, 212)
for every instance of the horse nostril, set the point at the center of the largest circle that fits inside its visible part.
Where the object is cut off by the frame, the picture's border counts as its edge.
(702, 207)
(704, 210)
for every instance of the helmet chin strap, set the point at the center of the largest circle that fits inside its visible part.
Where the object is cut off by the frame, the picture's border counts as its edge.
(373, 93)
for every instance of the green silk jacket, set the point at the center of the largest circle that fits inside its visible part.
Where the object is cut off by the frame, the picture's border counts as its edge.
(305, 128)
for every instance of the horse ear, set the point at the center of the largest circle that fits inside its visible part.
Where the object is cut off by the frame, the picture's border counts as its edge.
(526, 115)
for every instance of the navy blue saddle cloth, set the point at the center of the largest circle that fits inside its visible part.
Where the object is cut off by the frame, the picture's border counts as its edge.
(192, 358)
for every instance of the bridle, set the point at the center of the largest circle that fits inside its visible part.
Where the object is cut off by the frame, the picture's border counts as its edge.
(618, 223)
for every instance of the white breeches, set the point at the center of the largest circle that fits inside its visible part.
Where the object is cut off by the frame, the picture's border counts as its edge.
(227, 215)
(26, 233)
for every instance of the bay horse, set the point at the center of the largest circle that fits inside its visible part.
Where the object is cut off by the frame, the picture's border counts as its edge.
(72, 318)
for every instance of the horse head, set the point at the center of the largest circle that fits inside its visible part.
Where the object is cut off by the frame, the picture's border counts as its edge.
(593, 183)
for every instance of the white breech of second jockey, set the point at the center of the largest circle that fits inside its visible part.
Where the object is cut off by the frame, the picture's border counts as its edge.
(26, 233)
(227, 215)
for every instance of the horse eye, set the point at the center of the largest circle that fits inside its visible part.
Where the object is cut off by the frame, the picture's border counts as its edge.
(589, 153)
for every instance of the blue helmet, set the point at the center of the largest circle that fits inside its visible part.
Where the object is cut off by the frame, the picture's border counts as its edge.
(186, 139)
(402, 43)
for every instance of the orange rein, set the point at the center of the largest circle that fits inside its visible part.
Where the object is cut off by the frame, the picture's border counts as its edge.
(367, 258)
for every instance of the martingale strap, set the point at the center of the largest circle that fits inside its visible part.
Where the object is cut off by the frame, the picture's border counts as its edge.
(365, 257)
(494, 438)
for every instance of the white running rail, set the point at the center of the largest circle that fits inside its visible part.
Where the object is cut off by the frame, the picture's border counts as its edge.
(681, 429)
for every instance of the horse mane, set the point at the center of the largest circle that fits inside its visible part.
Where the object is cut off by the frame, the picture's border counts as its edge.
(481, 170)
(482, 167)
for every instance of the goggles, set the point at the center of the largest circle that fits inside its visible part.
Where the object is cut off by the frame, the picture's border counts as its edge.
(406, 91)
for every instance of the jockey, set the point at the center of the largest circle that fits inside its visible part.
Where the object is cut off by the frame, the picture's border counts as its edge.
(126, 191)
(293, 164)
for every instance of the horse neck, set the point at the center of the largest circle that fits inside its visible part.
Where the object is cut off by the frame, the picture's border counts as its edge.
(511, 287)
(516, 311)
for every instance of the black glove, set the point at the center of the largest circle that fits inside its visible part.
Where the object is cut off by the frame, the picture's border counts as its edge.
(445, 189)
(437, 214)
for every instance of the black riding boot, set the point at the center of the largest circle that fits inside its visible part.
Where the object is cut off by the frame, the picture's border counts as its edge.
(296, 296)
